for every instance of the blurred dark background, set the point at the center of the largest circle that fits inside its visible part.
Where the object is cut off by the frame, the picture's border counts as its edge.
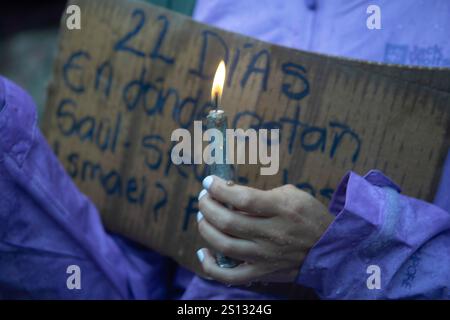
(17, 16)
(29, 35)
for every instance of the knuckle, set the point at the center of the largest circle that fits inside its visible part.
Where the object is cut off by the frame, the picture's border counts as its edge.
(282, 241)
(258, 255)
(245, 200)
(289, 188)
(227, 223)
(293, 204)
(226, 247)
(297, 206)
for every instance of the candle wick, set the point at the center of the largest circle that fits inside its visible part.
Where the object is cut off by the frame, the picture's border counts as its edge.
(216, 100)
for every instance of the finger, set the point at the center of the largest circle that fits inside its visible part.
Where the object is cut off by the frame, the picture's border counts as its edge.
(242, 274)
(229, 221)
(253, 201)
(240, 249)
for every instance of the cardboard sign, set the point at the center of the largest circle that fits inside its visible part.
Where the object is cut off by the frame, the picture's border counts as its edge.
(135, 72)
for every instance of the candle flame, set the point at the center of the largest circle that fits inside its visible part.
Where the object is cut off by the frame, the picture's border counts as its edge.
(219, 80)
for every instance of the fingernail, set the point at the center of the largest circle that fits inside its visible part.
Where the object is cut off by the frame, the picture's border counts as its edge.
(200, 255)
(199, 216)
(202, 193)
(207, 182)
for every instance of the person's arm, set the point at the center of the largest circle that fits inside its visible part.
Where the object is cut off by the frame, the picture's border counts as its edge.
(380, 232)
(278, 231)
(52, 242)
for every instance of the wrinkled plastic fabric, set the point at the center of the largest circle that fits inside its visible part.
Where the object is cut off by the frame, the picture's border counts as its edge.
(47, 225)
(408, 240)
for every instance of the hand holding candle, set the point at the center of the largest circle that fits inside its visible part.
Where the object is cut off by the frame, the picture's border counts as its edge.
(270, 231)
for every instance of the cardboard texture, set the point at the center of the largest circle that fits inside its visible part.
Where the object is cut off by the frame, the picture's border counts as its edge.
(136, 72)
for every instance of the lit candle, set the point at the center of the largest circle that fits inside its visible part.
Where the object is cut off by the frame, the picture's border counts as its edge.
(218, 120)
